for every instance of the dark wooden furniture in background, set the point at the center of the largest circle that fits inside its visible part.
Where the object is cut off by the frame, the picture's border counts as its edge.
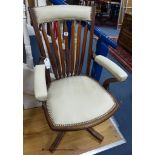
(125, 36)
(73, 2)
(123, 53)
(107, 11)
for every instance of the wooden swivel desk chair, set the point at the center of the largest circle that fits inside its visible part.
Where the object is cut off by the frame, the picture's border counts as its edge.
(72, 101)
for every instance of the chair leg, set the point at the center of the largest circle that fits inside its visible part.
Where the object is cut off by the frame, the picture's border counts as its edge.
(95, 134)
(56, 141)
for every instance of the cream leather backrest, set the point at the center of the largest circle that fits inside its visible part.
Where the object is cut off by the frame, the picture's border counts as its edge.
(61, 12)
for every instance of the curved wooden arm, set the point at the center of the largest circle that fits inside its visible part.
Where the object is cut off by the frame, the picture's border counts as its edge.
(110, 66)
(107, 82)
(47, 71)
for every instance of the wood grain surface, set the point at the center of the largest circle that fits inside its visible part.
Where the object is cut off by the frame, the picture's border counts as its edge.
(38, 136)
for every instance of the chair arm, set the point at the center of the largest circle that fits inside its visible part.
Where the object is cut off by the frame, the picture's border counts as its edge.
(40, 89)
(113, 68)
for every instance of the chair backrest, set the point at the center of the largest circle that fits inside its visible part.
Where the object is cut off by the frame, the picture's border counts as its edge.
(66, 62)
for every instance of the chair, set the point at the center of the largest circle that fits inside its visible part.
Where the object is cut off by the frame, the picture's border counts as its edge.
(73, 101)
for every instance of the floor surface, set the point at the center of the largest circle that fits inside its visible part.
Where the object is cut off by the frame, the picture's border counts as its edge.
(38, 136)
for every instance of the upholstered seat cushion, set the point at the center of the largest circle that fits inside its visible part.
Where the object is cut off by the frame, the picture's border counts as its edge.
(78, 99)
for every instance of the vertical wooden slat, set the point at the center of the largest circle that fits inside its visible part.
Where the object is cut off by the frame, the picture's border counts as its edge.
(78, 48)
(49, 52)
(55, 49)
(37, 32)
(72, 46)
(66, 49)
(83, 49)
(42, 50)
(91, 41)
(61, 51)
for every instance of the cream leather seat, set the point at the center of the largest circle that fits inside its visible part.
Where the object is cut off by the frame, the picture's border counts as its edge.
(76, 100)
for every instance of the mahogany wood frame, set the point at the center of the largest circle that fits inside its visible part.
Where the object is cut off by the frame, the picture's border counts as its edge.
(61, 70)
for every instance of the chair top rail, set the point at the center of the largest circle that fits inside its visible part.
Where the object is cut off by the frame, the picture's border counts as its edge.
(51, 13)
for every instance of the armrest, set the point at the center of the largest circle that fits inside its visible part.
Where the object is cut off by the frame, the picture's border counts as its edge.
(113, 68)
(40, 89)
